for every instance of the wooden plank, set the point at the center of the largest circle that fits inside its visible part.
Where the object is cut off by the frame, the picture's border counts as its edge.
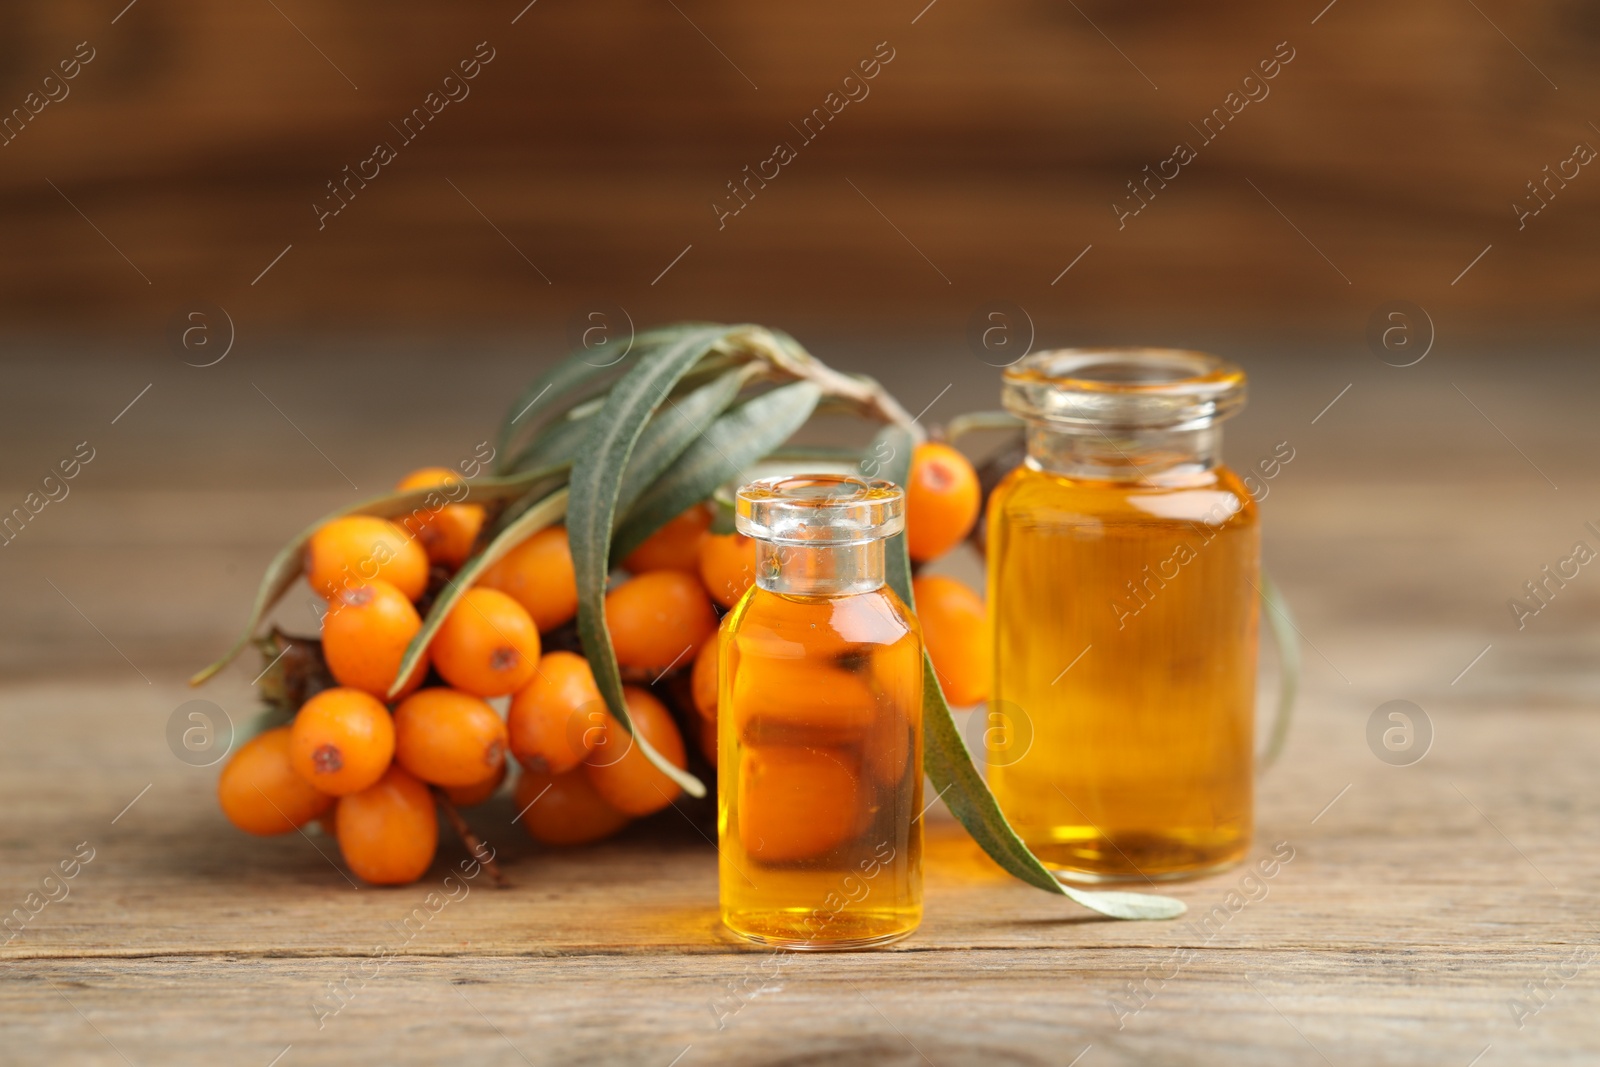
(1403, 906)
(1006, 1007)
(1419, 905)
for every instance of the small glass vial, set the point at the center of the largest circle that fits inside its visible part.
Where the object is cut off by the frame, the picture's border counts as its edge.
(819, 796)
(1123, 570)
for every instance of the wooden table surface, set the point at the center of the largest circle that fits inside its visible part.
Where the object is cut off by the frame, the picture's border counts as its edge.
(1422, 907)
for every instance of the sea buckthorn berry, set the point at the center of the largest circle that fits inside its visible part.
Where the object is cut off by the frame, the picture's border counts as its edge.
(897, 678)
(363, 548)
(659, 619)
(954, 628)
(467, 796)
(389, 831)
(727, 566)
(259, 791)
(703, 682)
(674, 547)
(889, 751)
(799, 701)
(449, 738)
(365, 635)
(618, 768)
(342, 741)
(549, 718)
(942, 501)
(796, 803)
(564, 809)
(448, 531)
(487, 645)
(538, 574)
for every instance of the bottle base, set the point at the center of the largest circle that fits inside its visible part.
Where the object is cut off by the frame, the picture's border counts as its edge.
(845, 933)
(850, 945)
(1101, 860)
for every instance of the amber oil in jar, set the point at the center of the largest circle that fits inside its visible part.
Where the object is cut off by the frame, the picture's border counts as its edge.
(1123, 574)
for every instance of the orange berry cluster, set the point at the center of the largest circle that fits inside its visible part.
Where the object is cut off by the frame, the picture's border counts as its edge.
(373, 766)
(375, 770)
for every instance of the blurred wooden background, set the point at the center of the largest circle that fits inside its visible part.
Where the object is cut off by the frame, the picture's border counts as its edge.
(984, 160)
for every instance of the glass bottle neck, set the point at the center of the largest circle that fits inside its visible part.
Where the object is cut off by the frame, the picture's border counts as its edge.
(823, 570)
(1124, 455)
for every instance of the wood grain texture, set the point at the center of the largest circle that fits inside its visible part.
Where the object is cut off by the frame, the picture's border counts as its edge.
(1398, 933)
(1419, 903)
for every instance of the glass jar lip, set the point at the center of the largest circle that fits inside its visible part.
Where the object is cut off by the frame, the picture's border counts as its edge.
(819, 510)
(1124, 387)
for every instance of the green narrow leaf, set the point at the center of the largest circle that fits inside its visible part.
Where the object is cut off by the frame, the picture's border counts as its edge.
(889, 458)
(956, 778)
(675, 426)
(514, 510)
(944, 754)
(730, 445)
(945, 757)
(559, 442)
(597, 478)
(545, 513)
(1287, 638)
(551, 393)
(570, 380)
(289, 563)
(713, 364)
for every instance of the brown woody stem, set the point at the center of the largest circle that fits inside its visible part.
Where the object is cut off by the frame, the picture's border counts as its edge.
(474, 843)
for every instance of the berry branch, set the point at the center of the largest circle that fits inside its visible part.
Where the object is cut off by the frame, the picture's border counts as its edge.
(479, 851)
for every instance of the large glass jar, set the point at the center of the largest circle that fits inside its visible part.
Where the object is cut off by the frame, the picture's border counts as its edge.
(1123, 577)
(819, 727)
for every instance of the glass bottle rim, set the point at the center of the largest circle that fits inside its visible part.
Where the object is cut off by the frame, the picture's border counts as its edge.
(1124, 388)
(820, 510)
